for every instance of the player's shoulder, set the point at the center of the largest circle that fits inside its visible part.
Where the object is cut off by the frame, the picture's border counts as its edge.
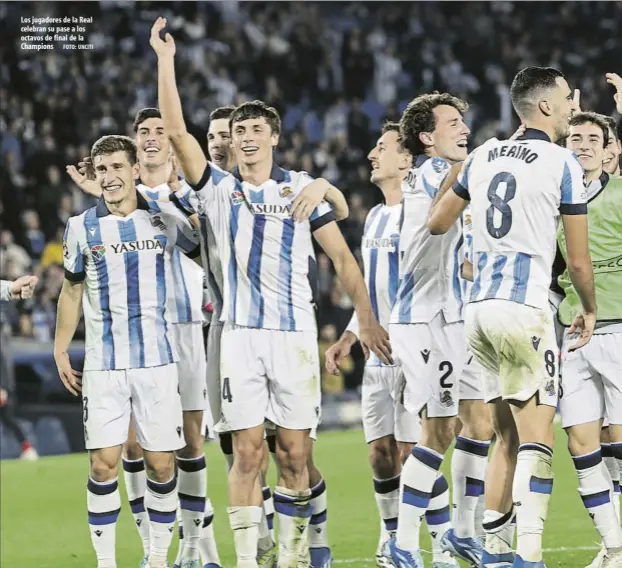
(76, 223)
(297, 180)
(435, 167)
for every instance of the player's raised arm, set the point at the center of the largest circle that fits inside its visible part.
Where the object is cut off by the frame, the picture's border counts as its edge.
(371, 335)
(450, 201)
(311, 196)
(573, 209)
(187, 149)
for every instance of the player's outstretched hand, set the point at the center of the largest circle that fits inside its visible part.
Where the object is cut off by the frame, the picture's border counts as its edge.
(71, 379)
(585, 323)
(23, 288)
(375, 338)
(84, 177)
(337, 352)
(308, 199)
(163, 47)
(615, 80)
(576, 100)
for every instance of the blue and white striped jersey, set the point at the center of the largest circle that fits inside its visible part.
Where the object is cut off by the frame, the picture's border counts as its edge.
(467, 232)
(185, 284)
(517, 188)
(268, 261)
(124, 263)
(380, 250)
(430, 264)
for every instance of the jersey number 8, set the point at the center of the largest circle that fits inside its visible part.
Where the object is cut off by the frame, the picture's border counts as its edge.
(500, 204)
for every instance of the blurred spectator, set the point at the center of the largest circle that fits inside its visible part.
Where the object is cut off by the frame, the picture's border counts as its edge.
(12, 255)
(53, 251)
(35, 239)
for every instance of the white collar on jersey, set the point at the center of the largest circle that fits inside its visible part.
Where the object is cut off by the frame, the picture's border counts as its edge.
(277, 173)
(101, 210)
(534, 134)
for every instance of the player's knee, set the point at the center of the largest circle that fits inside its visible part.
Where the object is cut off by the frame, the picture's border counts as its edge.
(292, 458)
(248, 454)
(381, 455)
(477, 428)
(583, 439)
(103, 468)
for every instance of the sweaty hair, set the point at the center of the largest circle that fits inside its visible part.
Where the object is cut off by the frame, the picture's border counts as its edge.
(115, 143)
(256, 109)
(143, 114)
(419, 117)
(595, 119)
(527, 84)
(221, 112)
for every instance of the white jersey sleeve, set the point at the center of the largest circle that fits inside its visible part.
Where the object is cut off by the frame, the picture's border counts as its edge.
(73, 256)
(5, 290)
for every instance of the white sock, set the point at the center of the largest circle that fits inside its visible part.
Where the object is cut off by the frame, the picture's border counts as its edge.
(266, 525)
(192, 489)
(180, 534)
(479, 517)
(613, 466)
(318, 534)
(533, 484)
(596, 490)
(387, 492)
(161, 504)
(468, 471)
(293, 509)
(437, 515)
(418, 477)
(500, 529)
(244, 523)
(135, 486)
(207, 544)
(104, 504)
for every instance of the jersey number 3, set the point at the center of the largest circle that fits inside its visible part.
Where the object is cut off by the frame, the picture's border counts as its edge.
(500, 204)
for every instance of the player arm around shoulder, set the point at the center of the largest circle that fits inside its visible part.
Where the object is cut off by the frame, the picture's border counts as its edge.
(313, 194)
(573, 209)
(450, 201)
(187, 149)
(371, 334)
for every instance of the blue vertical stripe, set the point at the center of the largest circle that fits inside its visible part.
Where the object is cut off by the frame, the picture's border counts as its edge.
(370, 217)
(456, 274)
(164, 346)
(405, 299)
(182, 297)
(394, 269)
(256, 312)
(477, 285)
(91, 225)
(497, 276)
(127, 233)
(233, 263)
(373, 264)
(566, 185)
(522, 267)
(286, 306)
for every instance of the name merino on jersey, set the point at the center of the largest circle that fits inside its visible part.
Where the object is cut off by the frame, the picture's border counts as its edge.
(125, 263)
(430, 264)
(185, 282)
(268, 262)
(380, 250)
(517, 189)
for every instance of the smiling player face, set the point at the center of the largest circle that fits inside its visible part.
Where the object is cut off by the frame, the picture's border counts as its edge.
(152, 143)
(450, 134)
(611, 163)
(115, 176)
(253, 141)
(219, 144)
(387, 161)
(563, 107)
(586, 141)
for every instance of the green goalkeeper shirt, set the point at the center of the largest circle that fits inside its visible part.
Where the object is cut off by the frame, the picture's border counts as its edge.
(604, 213)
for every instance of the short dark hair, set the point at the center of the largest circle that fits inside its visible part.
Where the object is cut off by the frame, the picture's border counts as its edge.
(611, 123)
(527, 83)
(390, 126)
(257, 109)
(143, 114)
(419, 117)
(594, 118)
(115, 143)
(221, 112)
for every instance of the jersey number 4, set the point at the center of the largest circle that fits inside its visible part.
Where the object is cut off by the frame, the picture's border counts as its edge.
(500, 204)
(226, 390)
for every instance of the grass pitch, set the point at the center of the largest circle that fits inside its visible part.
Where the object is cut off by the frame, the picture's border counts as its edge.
(44, 525)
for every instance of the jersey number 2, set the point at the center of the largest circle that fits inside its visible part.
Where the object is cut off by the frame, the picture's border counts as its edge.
(500, 204)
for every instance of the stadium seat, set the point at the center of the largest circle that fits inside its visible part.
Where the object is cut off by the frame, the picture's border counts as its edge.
(51, 436)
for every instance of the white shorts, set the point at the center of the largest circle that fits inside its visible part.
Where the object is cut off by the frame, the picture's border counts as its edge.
(471, 381)
(516, 345)
(214, 391)
(383, 409)
(270, 375)
(432, 356)
(191, 366)
(149, 396)
(592, 380)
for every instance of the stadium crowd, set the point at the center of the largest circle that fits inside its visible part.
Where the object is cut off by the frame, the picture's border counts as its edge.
(335, 71)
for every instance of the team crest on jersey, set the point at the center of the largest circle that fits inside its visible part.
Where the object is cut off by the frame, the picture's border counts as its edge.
(549, 388)
(98, 252)
(156, 221)
(237, 197)
(446, 399)
(439, 165)
(285, 191)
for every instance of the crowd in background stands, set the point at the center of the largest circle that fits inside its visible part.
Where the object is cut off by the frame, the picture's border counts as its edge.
(334, 70)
